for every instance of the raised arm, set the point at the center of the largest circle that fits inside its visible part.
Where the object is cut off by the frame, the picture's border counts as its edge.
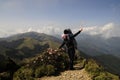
(77, 32)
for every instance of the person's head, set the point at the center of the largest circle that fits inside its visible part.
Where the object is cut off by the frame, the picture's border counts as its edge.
(69, 31)
(66, 31)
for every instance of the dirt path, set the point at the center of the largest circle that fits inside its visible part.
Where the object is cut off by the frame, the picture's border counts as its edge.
(70, 75)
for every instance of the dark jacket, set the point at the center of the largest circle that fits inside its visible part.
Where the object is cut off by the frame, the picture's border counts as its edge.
(69, 42)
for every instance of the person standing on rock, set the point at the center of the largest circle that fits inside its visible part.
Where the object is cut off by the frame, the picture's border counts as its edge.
(71, 44)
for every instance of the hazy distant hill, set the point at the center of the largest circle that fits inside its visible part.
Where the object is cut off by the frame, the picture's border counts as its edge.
(110, 62)
(105, 51)
(34, 35)
(96, 45)
(26, 45)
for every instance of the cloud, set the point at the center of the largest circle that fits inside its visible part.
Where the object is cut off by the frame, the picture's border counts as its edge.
(95, 30)
(52, 30)
(3, 33)
(30, 29)
(107, 30)
(8, 31)
(47, 29)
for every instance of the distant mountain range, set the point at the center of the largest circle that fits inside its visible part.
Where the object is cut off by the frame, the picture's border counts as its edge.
(91, 45)
(96, 45)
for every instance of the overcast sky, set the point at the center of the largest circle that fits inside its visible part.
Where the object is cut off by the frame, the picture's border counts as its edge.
(53, 16)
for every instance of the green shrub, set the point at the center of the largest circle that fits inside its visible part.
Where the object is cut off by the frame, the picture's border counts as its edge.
(106, 76)
(93, 68)
(103, 76)
(50, 70)
(97, 72)
(44, 70)
(23, 74)
(40, 71)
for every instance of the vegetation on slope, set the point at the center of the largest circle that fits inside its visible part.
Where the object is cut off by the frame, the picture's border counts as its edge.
(46, 64)
(98, 72)
(51, 62)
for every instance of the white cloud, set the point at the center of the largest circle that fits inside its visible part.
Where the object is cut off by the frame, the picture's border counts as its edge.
(108, 26)
(30, 29)
(48, 30)
(108, 30)
(3, 33)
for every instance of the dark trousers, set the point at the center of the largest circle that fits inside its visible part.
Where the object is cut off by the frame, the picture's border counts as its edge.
(71, 54)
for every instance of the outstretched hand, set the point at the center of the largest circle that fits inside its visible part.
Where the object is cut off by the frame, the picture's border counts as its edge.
(81, 29)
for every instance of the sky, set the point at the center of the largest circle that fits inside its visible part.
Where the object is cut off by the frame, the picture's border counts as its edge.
(53, 16)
